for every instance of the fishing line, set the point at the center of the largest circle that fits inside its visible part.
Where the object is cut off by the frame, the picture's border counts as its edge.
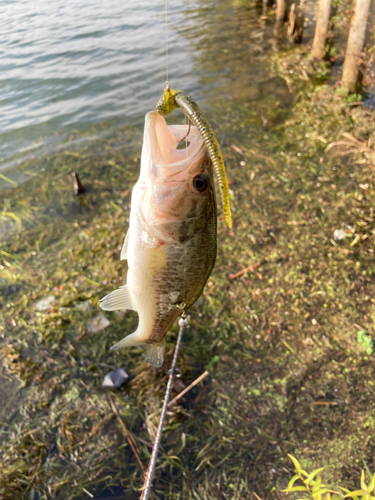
(166, 41)
(182, 323)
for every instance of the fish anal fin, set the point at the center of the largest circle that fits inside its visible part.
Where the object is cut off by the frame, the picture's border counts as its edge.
(124, 251)
(155, 353)
(117, 300)
(130, 341)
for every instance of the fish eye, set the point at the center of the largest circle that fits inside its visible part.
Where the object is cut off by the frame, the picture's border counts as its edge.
(200, 183)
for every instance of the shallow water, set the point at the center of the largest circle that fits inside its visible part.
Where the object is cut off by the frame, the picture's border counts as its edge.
(287, 374)
(71, 65)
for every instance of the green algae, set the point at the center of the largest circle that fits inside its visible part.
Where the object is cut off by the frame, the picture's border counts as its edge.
(287, 374)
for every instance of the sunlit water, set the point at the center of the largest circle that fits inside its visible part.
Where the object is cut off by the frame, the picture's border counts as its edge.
(71, 64)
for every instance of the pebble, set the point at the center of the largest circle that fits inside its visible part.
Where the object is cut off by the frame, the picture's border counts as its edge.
(97, 324)
(45, 303)
(115, 378)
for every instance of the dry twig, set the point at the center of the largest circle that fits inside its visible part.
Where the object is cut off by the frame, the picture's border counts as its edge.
(187, 389)
(129, 437)
(250, 269)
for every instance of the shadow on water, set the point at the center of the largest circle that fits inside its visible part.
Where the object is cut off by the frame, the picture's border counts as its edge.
(286, 374)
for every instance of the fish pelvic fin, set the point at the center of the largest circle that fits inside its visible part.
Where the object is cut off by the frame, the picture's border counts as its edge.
(117, 300)
(155, 353)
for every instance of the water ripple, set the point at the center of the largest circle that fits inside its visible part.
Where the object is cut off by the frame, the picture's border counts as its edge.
(75, 63)
(80, 62)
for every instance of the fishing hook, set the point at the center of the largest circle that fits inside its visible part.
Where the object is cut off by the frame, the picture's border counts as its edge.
(188, 132)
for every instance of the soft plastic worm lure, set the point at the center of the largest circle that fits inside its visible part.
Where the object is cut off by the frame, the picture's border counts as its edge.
(172, 99)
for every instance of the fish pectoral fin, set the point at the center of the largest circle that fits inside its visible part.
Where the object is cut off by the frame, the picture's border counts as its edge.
(124, 251)
(116, 300)
(130, 341)
(155, 353)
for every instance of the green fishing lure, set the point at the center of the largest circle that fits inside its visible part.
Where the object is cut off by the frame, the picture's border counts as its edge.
(172, 99)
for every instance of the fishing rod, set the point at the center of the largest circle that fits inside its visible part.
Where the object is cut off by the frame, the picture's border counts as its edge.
(182, 323)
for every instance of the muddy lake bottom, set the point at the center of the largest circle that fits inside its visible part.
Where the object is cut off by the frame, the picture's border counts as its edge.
(286, 371)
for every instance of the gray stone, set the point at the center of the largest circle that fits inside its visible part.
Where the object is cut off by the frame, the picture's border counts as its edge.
(115, 379)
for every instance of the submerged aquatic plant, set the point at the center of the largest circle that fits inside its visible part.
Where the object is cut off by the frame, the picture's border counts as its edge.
(365, 340)
(310, 484)
(313, 488)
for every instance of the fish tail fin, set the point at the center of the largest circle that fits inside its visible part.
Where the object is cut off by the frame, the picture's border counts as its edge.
(155, 353)
(131, 340)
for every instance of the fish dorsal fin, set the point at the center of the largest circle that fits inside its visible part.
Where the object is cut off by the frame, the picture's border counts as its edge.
(124, 251)
(117, 300)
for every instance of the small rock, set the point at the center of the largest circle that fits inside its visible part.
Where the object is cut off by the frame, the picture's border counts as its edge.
(84, 306)
(45, 303)
(339, 235)
(115, 378)
(370, 101)
(98, 323)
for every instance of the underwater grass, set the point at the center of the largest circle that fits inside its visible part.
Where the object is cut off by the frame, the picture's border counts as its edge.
(286, 371)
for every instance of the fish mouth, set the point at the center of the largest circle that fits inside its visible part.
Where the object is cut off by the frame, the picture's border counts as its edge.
(163, 140)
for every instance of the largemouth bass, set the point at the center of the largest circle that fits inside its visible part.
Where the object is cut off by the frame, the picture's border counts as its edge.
(171, 242)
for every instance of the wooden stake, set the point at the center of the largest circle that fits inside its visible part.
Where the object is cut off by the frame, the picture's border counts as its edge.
(280, 10)
(321, 29)
(355, 45)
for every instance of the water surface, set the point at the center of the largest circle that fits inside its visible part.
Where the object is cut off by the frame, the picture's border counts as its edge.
(70, 65)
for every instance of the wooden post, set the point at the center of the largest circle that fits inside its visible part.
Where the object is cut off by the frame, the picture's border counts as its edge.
(280, 10)
(296, 22)
(280, 19)
(264, 9)
(321, 29)
(370, 33)
(356, 41)
(291, 22)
